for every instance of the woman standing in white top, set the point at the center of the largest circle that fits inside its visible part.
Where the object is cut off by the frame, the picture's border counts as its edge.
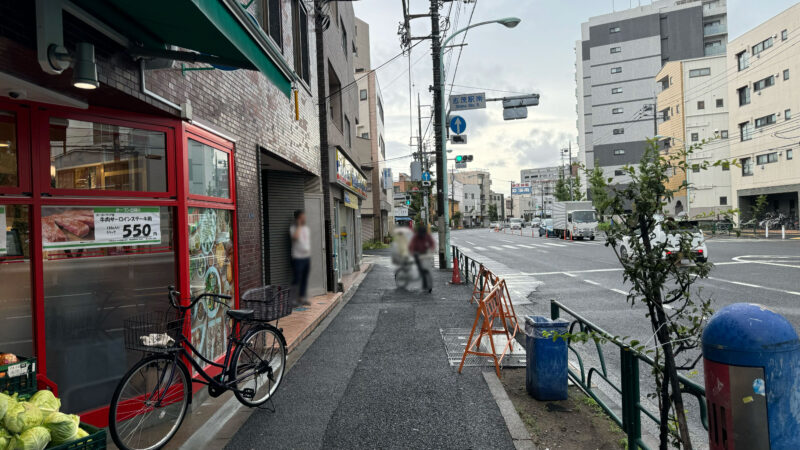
(301, 255)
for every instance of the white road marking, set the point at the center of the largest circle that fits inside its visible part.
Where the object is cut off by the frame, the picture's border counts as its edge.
(755, 286)
(571, 272)
(526, 246)
(571, 275)
(465, 249)
(470, 243)
(493, 247)
(592, 282)
(554, 245)
(620, 291)
(510, 246)
(480, 249)
(510, 242)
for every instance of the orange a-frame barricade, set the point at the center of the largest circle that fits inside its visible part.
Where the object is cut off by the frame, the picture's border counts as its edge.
(492, 308)
(484, 283)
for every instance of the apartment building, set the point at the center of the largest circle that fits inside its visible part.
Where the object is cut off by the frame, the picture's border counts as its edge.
(483, 180)
(763, 67)
(617, 58)
(376, 210)
(692, 108)
(543, 184)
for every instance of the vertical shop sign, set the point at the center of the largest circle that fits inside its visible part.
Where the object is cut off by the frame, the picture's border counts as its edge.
(2, 230)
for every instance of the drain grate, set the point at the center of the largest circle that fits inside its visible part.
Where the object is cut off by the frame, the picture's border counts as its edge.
(455, 341)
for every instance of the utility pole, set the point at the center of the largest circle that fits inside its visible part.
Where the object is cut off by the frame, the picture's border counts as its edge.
(511, 183)
(441, 163)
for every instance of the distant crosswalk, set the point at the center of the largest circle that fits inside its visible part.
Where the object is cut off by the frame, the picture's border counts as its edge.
(539, 245)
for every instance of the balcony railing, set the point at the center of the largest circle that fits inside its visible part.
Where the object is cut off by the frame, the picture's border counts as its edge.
(716, 50)
(714, 30)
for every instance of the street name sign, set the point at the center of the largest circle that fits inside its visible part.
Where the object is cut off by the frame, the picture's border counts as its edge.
(461, 165)
(463, 102)
(457, 124)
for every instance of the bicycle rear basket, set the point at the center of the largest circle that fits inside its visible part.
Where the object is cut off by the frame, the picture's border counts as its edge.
(154, 331)
(269, 303)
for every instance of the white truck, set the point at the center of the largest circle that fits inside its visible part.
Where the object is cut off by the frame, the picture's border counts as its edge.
(577, 220)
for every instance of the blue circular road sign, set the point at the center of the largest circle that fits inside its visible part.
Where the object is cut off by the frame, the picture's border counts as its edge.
(458, 124)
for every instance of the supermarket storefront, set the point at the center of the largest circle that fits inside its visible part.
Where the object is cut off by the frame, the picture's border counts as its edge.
(103, 209)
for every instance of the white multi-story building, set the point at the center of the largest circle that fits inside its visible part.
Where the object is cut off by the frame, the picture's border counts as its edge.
(618, 56)
(764, 88)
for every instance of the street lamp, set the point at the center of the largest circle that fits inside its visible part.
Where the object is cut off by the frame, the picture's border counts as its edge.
(444, 229)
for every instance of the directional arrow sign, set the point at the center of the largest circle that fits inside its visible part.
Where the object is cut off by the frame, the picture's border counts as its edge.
(426, 176)
(458, 124)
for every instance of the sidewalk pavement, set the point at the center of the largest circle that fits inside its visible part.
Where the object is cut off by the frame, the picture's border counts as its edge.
(211, 421)
(378, 377)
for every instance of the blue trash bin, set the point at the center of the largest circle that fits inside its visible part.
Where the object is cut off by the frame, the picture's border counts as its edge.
(546, 374)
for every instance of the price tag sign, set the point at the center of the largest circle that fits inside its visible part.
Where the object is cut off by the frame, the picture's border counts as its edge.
(127, 226)
(74, 228)
(2, 230)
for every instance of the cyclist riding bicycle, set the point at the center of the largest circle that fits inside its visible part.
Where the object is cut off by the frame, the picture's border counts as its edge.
(421, 243)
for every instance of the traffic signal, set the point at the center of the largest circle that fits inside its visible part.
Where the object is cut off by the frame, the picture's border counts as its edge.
(463, 158)
(408, 200)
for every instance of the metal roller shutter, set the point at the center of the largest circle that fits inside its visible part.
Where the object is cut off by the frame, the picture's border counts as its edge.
(283, 195)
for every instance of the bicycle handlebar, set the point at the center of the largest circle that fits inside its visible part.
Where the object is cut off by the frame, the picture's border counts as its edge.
(174, 299)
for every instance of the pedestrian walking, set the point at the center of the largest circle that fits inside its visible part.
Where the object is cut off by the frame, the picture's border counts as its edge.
(421, 243)
(301, 256)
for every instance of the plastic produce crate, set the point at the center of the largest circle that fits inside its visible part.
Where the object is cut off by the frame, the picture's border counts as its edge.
(19, 376)
(95, 440)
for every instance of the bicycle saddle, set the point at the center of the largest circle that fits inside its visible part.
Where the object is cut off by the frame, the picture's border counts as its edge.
(240, 314)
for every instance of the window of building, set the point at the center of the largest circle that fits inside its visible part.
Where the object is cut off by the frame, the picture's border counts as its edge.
(720, 103)
(100, 156)
(745, 131)
(764, 83)
(619, 151)
(787, 114)
(695, 137)
(613, 30)
(789, 154)
(743, 60)
(334, 97)
(209, 175)
(365, 135)
(363, 94)
(302, 64)
(701, 105)
(347, 138)
(616, 49)
(616, 90)
(744, 95)
(9, 153)
(723, 134)
(723, 201)
(619, 173)
(786, 74)
(616, 70)
(619, 130)
(747, 167)
(766, 120)
(761, 46)
(704, 72)
(784, 35)
(767, 158)
(380, 109)
(344, 37)
(664, 82)
(271, 19)
(617, 111)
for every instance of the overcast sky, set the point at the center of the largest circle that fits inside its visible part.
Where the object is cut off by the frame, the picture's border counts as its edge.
(536, 56)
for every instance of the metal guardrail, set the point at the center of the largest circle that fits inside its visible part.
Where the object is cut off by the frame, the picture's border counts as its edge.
(632, 408)
(469, 268)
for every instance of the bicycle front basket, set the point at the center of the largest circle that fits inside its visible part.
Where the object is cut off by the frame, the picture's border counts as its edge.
(269, 303)
(154, 331)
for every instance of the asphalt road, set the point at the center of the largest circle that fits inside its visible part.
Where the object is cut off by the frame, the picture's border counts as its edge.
(586, 277)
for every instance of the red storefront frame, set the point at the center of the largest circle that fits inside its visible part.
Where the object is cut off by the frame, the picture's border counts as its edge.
(34, 190)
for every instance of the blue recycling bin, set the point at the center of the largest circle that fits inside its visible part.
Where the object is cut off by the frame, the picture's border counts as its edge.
(751, 357)
(546, 373)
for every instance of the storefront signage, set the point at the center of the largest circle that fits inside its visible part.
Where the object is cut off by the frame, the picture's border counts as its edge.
(520, 188)
(2, 230)
(348, 176)
(350, 200)
(72, 228)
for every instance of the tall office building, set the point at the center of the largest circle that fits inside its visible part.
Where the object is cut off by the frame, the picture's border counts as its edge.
(618, 57)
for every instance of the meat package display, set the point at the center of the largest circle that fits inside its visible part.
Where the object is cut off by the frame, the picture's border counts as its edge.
(67, 225)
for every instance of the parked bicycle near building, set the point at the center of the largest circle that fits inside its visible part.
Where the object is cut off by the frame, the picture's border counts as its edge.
(152, 399)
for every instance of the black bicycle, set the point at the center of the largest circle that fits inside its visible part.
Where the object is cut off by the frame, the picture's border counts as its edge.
(151, 400)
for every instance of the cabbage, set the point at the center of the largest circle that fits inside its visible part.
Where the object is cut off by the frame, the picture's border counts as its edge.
(6, 402)
(46, 401)
(81, 434)
(22, 416)
(35, 438)
(5, 438)
(62, 426)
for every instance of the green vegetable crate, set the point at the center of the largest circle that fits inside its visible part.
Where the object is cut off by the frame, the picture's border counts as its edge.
(19, 376)
(96, 440)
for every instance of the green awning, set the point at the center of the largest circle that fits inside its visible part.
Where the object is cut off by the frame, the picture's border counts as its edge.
(205, 26)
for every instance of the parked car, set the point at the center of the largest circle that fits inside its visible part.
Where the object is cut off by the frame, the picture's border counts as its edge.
(515, 224)
(535, 222)
(672, 239)
(546, 228)
(495, 225)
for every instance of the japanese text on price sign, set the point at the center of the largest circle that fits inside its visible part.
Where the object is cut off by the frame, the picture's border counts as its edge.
(65, 228)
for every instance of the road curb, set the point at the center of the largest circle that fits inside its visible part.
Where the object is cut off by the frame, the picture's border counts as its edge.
(519, 433)
(221, 426)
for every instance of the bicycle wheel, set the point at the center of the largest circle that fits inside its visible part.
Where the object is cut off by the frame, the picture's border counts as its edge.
(149, 403)
(258, 363)
(402, 277)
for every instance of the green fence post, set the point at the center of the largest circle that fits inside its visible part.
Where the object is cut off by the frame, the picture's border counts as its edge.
(631, 417)
(554, 312)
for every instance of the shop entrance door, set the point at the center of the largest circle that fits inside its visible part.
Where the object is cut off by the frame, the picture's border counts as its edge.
(316, 280)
